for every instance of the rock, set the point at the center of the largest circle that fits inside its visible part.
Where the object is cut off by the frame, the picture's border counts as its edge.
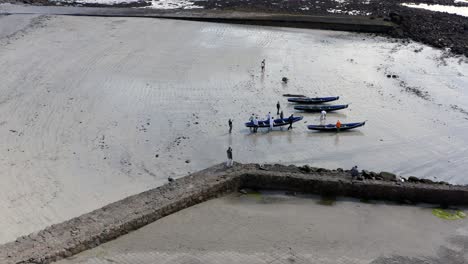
(387, 176)
(389, 76)
(157, 155)
(426, 181)
(394, 76)
(444, 183)
(284, 79)
(170, 179)
(305, 168)
(379, 178)
(413, 179)
(366, 174)
(395, 18)
(243, 191)
(187, 161)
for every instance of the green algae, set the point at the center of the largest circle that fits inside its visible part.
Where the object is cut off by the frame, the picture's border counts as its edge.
(448, 215)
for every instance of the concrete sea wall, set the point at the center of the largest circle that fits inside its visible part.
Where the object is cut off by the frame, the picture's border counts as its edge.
(107, 223)
(329, 22)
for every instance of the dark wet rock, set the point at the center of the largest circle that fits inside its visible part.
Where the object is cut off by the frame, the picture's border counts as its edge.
(305, 168)
(187, 161)
(156, 156)
(413, 179)
(284, 79)
(388, 176)
(367, 174)
(170, 179)
(389, 76)
(426, 181)
(395, 18)
(394, 76)
(443, 183)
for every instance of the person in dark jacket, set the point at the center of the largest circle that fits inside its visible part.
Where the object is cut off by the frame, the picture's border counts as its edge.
(290, 119)
(278, 106)
(354, 172)
(230, 126)
(229, 156)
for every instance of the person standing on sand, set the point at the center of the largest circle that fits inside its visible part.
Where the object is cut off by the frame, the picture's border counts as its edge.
(323, 115)
(338, 126)
(278, 106)
(229, 162)
(230, 126)
(290, 119)
(263, 65)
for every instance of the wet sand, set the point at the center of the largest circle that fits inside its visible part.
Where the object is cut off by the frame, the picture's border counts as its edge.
(96, 109)
(274, 228)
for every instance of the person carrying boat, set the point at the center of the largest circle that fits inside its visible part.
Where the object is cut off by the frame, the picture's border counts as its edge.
(338, 126)
(230, 125)
(282, 116)
(268, 117)
(255, 122)
(251, 120)
(290, 120)
(229, 156)
(278, 106)
(323, 115)
(272, 122)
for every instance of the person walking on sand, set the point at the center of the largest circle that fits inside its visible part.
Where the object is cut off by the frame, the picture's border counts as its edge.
(290, 119)
(229, 161)
(278, 106)
(338, 126)
(323, 115)
(272, 122)
(263, 65)
(230, 126)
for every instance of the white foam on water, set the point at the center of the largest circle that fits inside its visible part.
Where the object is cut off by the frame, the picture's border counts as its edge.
(457, 10)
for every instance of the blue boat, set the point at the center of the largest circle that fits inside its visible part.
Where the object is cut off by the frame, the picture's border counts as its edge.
(320, 108)
(277, 123)
(313, 100)
(332, 127)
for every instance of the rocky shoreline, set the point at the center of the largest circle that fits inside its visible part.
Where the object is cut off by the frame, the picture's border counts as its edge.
(440, 30)
(92, 229)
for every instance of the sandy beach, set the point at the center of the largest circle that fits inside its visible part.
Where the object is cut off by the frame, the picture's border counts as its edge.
(97, 109)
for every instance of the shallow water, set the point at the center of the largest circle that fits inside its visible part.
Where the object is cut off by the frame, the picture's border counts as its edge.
(96, 109)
